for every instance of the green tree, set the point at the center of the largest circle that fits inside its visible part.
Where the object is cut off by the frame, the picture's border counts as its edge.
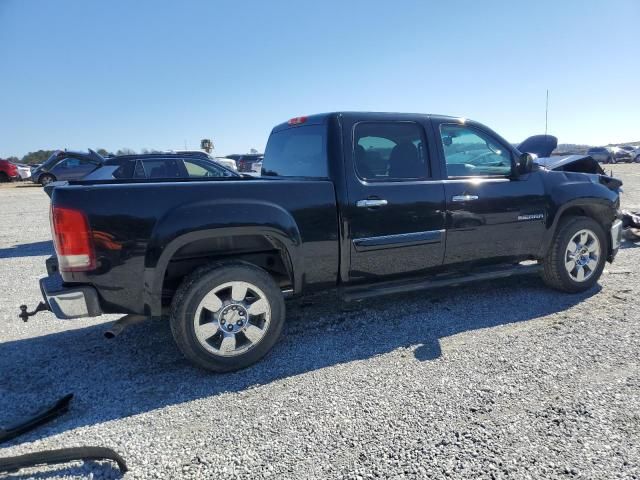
(40, 156)
(103, 152)
(125, 151)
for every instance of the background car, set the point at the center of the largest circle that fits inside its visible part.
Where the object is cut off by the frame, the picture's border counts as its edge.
(8, 171)
(227, 162)
(160, 166)
(633, 151)
(66, 165)
(621, 155)
(24, 171)
(245, 161)
(601, 154)
(256, 168)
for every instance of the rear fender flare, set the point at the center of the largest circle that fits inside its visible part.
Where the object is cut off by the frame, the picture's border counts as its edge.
(216, 219)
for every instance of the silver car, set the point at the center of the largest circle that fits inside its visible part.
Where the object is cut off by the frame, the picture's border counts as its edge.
(601, 154)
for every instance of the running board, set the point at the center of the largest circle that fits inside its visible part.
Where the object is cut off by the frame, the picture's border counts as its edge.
(359, 292)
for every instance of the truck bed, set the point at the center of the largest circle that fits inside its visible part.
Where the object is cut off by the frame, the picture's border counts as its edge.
(139, 227)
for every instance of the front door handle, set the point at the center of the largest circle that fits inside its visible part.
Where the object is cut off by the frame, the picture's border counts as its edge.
(463, 198)
(371, 203)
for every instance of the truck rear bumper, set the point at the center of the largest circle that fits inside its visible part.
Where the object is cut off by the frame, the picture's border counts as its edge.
(68, 302)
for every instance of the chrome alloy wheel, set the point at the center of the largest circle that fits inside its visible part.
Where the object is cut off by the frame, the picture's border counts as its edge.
(232, 318)
(582, 255)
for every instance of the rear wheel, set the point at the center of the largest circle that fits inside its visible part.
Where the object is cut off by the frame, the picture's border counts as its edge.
(46, 179)
(4, 177)
(226, 317)
(576, 257)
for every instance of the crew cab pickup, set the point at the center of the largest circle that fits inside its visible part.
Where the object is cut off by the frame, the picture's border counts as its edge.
(363, 203)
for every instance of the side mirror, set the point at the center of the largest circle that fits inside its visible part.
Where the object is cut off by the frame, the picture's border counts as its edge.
(525, 163)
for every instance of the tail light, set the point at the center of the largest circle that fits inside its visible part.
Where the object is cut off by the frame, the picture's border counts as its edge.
(72, 240)
(13, 170)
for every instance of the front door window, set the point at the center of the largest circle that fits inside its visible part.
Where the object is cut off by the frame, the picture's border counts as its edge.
(471, 153)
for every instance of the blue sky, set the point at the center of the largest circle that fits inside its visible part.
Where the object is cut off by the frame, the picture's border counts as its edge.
(157, 74)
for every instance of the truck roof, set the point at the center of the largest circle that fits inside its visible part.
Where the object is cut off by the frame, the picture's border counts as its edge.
(322, 118)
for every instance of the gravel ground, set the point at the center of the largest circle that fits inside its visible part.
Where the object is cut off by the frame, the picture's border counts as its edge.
(500, 380)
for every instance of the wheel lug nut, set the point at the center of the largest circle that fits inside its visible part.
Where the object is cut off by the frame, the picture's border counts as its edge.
(222, 321)
(239, 323)
(229, 327)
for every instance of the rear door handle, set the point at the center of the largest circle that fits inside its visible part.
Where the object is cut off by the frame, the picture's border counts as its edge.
(463, 198)
(371, 203)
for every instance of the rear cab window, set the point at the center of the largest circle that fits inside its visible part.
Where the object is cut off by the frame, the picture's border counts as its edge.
(299, 151)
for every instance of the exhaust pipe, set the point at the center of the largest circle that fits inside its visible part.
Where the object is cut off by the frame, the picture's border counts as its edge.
(118, 326)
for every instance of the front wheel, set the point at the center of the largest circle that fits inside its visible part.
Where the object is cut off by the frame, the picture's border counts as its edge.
(576, 257)
(226, 317)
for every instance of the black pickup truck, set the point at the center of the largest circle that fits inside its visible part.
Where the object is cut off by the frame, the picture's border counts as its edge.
(364, 203)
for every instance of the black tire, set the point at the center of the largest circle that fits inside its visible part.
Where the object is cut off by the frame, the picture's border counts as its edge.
(4, 178)
(554, 273)
(46, 179)
(191, 293)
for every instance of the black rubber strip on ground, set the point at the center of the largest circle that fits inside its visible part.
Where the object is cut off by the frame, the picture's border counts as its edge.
(63, 455)
(43, 416)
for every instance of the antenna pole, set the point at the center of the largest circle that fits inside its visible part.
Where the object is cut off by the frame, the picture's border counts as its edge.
(546, 114)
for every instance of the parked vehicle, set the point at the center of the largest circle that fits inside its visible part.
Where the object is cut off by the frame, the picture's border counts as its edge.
(621, 155)
(230, 163)
(8, 171)
(24, 171)
(601, 154)
(66, 165)
(160, 166)
(257, 168)
(365, 203)
(633, 151)
(245, 161)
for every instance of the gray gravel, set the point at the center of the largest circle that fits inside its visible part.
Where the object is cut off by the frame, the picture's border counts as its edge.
(500, 380)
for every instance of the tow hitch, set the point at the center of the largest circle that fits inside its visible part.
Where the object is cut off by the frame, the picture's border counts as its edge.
(24, 315)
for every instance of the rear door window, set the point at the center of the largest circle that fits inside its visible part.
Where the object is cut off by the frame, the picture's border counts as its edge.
(297, 152)
(163, 168)
(386, 151)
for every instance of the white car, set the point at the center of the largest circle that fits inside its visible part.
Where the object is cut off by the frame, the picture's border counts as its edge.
(256, 168)
(227, 162)
(24, 171)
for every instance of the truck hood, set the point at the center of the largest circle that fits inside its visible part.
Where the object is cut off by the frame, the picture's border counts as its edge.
(581, 164)
(571, 163)
(541, 145)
